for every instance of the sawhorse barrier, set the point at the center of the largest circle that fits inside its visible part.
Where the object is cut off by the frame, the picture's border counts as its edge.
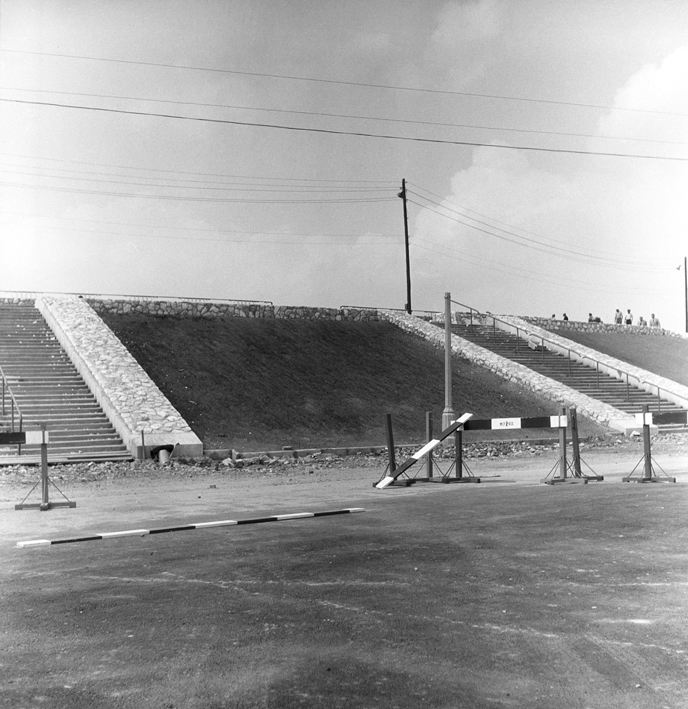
(394, 472)
(647, 419)
(563, 470)
(39, 437)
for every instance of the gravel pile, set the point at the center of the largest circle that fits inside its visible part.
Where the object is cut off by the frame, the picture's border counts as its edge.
(667, 444)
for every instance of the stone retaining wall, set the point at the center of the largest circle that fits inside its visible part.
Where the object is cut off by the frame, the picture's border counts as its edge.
(467, 318)
(131, 400)
(511, 371)
(564, 325)
(17, 301)
(210, 309)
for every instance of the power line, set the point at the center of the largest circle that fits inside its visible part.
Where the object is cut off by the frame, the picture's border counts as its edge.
(552, 251)
(228, 188)
(222, 241)
(609, 260)
(606, 254)
(342, 83)
(517, 272)
(361, 134)
(184, 228)
(200, 199)
(323, 114)
(203, 174)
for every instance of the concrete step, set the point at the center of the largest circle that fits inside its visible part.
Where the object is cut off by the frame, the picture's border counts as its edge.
(11, 458)
(49, 391)
(78, 446)
(587, 380)
(84, 424)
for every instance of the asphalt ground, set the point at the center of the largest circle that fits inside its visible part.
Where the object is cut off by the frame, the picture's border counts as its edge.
(507, 593)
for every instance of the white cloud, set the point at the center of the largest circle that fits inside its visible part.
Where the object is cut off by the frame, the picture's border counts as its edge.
(630, 210)
(658, 89)
(463, 24)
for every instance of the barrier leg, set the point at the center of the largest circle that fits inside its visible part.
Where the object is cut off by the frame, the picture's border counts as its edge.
(428, 437)
(45, 496)
(458, 454)
(575, 450)
(562, 450)
(390, 444)
(647, 452)
(648, 475)
(562, 464)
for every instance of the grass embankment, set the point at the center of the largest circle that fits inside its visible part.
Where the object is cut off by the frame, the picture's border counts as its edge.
(263, 384)
(666, 356)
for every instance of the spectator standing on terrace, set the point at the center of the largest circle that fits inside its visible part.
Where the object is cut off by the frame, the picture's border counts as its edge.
(654, 322)
(590, 318)
(566, 317)
(642, 322)
(628, 319)
(618, 317)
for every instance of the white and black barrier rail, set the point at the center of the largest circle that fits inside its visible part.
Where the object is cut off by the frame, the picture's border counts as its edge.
(189, 527)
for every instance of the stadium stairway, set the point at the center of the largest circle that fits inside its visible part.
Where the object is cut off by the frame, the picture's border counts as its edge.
(580, 377)
(49, 390)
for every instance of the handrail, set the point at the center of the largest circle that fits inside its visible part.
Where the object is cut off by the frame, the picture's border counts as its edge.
(368, 307)
(15, 406)
(394, 310)
(582, 357)
(470, 309)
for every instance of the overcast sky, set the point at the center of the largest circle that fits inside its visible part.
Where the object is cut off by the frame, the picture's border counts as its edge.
(209, 199)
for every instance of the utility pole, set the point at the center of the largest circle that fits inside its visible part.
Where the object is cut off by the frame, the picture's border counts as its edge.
(402, 194)
(448, 414)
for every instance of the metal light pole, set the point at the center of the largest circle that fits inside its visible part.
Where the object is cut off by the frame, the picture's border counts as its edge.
(402, 194)
(448, 414)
